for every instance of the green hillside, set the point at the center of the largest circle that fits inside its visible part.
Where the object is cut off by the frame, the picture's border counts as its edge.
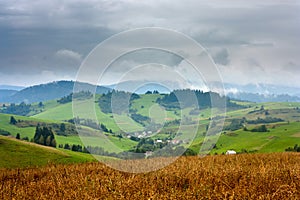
(18, 154)
(64, 112)
(96, 140)
(13, 130)
(279, 138)
(56, 112)
(281, 121)
(147, 106)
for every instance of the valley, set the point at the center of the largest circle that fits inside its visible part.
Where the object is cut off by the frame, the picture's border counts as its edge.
(152, 126)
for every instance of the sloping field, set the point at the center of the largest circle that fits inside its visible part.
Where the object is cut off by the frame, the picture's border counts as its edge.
(19, 154)
(248, 176)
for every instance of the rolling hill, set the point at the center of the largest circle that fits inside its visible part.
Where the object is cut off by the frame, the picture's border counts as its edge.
(93, 137)
(19, 154)
(280, 135)
(4, 93)
(148, 115)
(141, 87)
(11, 87)
(58, 89)
(49, 91)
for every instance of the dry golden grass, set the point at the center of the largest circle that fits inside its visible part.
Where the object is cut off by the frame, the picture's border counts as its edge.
(255, 176)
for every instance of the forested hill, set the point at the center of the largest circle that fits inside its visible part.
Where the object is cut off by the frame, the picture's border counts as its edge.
(186, 98)
(49, 91)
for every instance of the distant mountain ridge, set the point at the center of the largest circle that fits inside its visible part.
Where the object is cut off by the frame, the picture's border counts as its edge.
(11, 87)
(141, 87)
(262, 92)
(249, 92)
(49, 91)
(6, 93)
(58, 89)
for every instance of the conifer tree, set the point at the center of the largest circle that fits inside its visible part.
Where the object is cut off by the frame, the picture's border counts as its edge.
(48, 141)
(13, 120)
(41, 140)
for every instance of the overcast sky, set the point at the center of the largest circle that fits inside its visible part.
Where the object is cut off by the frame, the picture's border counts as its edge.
(250, 41)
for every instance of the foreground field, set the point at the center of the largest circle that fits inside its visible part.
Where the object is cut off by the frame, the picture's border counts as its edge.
(247, 176)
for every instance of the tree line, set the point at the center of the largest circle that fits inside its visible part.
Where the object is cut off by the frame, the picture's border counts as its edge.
(17, 109)
(77, 95)
(44, 136)
(187, 98)
(120, 101)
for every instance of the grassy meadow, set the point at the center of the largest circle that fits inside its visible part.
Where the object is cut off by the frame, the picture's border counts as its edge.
(280, 135)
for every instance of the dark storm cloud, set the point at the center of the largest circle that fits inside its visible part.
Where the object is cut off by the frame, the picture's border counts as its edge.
(34, 50)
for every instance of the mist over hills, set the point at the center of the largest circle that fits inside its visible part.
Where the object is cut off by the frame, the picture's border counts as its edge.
(266, 89)
(249, 92)
(141, 87)
(256, 97)
(262, 92)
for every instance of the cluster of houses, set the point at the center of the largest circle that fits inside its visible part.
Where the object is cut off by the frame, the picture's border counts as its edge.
(146, 134)
(140, 135)
(174, 141)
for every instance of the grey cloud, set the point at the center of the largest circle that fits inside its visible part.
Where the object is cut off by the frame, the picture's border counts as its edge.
(253, 64)
(37, 50)
(32, 33)
(292, 67)
(222, 57)
(69, 55)
(144, 56)
(260, 44)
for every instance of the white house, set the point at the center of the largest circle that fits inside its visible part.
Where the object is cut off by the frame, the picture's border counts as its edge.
(230, 152)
